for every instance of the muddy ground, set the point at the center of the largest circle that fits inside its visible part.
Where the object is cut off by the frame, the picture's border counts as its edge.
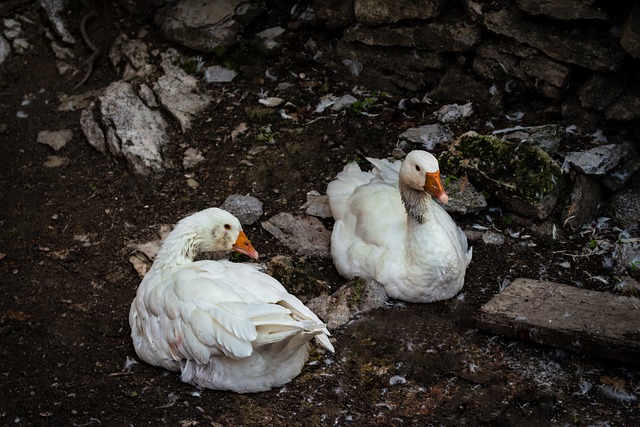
(66, 281)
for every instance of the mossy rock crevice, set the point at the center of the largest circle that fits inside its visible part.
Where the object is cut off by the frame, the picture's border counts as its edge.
(523, 177)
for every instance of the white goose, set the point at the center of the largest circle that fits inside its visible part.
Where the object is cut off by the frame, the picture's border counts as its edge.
(223, 325)
(415, 251)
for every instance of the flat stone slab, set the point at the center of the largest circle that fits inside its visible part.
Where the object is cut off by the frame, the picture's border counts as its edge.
(563, 316)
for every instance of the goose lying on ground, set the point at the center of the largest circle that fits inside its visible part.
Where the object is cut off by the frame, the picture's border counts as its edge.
(389, 229)
(223, 325)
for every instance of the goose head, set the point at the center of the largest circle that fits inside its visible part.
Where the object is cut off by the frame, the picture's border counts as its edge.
(420, 171)
(210, 230)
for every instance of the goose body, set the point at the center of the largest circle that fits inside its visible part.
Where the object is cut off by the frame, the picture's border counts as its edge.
(223, 325)
(388, 228)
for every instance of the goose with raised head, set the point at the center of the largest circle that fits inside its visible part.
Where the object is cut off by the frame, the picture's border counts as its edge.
(222, 325)
(388, 228)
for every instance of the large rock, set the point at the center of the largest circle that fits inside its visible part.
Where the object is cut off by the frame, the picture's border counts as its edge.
(589, 48)
(178, 92)
(562, 9)
(376, 12)
(523, 177)
(598, 160)
(585, 199)
(624, 208)
(131, 129)
(206, 25)
(305, 235)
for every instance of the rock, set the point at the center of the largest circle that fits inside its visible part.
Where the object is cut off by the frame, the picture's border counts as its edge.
(78, 102)
(429, 136)
(247, 209)
(353, 298)
(590, 49)
(345, 101)
(61, 52)
(586, 197)
(53, 9)
(55, 139)
(627, 106)
(334, 13)
(267, 38)
(523, 177)
(5, 49)
(192, 158)
(147, 96)
(219, 74)
(375, 12)
(563, 9)
(298, 277)
(599, 160)
(624, 207)
(619, 176)
(458, 87)
(133, 130)
(206, 25)
(393, 67)
(92, 131)
(131, 58)
(317, 205)
(463, 197)
(305, 235)
(600, 91)
(178, 93)
(454, 112)
(55, 162)
(545, 137)
(630, 37)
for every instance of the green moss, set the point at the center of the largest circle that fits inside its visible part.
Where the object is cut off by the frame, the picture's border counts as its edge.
(521, 169)
(358, 286)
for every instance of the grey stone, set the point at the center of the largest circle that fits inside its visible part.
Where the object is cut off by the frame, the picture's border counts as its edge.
(55, 139)
(622, 174)
(317, 205)
(586, 197)
(133, 129)
(192, 158)
(458, 87)
(429, 136)
(353, 298)
(627, 106)
(449, 34)
(600, 91)
(463, 196)
(178, 93)
(147, 95)
(53, 9)
(91, 129)
(523, 177)
(5, 49)
(598, 160)
(343, 102)
(589, 48)
(454, 112)
(305, 235)
(562, 9)
(334, 13)
(630, 37)
(624, 208)
(205, 25)
(546, 137)
(375, 12)
(247, 209)
(219, 74)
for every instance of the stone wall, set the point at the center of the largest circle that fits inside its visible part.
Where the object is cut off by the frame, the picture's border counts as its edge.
(583, 56)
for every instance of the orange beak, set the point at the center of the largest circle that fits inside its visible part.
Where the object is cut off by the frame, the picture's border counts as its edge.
(244, 246)
(433, 186)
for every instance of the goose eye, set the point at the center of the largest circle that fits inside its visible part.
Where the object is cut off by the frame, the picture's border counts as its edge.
(418, 168)
(227, 226)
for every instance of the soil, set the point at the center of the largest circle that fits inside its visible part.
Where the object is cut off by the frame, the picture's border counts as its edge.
(67, 282)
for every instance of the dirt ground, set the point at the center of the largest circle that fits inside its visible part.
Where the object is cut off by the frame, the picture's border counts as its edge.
(66, 282)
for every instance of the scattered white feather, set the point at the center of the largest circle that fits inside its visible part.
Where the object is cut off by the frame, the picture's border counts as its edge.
(617, 394)
(354, 66)
(326, 102)
(503, 285)
(598, 136)
(21, 115)
(129, 363)
(585, 386)
(493, 89)
(514, 117)
(570, 129)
